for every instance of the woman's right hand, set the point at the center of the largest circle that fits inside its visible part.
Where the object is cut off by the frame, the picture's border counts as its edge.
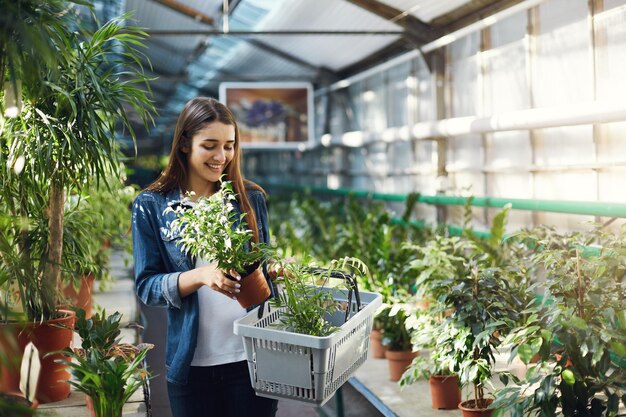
(212, 277)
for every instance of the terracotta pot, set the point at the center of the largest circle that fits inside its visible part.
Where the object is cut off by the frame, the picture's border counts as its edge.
(89, 404)
(254, 289)
(51, 336)
(83, 297)
(469, 409)
(399, 361)
(10, 365)
(444, 392)
(376, 345)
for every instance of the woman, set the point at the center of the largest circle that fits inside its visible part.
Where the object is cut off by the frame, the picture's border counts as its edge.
(206, 365)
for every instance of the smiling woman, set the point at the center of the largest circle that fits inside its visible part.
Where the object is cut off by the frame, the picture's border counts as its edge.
(211, 150)
(206, 361)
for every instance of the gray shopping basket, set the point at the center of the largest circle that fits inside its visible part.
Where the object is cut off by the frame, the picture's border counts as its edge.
(307, 368)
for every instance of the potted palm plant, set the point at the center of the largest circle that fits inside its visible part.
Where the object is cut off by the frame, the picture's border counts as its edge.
(107, 371)
(62, 140)
(577, 333)
(212, 229)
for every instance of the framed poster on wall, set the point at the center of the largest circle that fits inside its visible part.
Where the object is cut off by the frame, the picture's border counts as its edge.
(271, 115)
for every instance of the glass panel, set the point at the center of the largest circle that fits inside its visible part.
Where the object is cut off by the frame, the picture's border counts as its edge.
(463, 73)
(398, 87)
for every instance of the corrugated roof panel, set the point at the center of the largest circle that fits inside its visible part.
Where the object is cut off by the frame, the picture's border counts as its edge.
(251, 61)
(154, 16)
(335, 51)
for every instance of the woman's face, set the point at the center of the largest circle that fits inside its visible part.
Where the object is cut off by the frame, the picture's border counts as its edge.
(212, 149)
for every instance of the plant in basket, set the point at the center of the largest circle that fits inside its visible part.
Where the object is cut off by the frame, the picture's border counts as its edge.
(211, 228)
(106, 371)
(301, 366)
(306, 307)
(577, 334)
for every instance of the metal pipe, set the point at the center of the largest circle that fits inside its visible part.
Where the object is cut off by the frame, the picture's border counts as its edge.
(537, 118)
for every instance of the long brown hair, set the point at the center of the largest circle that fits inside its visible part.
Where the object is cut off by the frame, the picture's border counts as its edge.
(196, 114)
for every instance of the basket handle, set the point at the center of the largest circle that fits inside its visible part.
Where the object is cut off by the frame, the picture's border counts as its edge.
(353, 287)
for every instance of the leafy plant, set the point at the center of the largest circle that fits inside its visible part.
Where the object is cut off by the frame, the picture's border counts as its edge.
(396, 336)
(578, 331)
(487, 303)
(439, 259)
(424, 329)
(212, 230)
(64, 140)
(307, 305)
(108, 371)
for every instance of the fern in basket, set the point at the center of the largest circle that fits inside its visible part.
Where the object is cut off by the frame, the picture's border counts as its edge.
(306, 303)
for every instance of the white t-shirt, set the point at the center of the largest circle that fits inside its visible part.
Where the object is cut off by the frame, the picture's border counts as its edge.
(217, 344)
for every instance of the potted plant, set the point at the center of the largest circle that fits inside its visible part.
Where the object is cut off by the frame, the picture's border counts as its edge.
(396, 337)
(212, 229)
(306, 308)
(443, 382)
(106, 371)
(577, 331)
(488, 302)
(62, 140)
(99, 217)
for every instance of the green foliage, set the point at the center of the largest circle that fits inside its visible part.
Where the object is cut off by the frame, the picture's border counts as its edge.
(349, 227)
(31, 33)
(63, 140)
(424, 328)
(396, 336)
(107, 371)
(439, 259)
(577, 331)
(305, 302)
(212, 229)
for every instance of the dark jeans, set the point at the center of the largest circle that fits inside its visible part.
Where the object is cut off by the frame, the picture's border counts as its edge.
(219, 391)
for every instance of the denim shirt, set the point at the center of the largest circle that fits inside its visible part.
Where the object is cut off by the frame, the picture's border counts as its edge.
(158, 264)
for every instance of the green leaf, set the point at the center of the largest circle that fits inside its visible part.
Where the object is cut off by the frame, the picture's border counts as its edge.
(527, 350)
(576, 322)
(619, 348)
(568, 377)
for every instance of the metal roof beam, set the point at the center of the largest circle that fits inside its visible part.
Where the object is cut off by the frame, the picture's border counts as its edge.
(416, 30)
(201, 17)
(186, 10)
(247, 33)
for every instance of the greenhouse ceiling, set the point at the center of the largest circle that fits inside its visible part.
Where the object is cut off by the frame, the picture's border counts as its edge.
(194, 45)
